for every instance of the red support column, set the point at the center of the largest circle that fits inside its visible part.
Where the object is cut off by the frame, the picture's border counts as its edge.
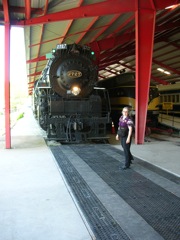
(145, 24)
(7, 85)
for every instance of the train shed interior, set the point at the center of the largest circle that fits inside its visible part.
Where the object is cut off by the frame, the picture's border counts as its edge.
(61, 191)
(124, 35)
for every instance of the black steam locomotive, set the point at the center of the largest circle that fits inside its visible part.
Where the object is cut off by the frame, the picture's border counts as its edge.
(67, 104)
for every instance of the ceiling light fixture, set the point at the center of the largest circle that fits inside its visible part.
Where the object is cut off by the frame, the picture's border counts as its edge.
(166, 72)
(172, 6)
(169, 7)
(162, 70)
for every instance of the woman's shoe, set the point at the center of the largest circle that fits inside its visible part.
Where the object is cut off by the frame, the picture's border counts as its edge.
(124, 168)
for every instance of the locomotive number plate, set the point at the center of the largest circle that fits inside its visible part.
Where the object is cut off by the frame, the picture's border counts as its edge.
(74, 74)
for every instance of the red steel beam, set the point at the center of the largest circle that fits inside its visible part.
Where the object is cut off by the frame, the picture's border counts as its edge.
(91, 10)
(96, 9)
(31, 82)
(40, 35)
(27, 9)
(104, 28)
(65, 35)
(7, 74)
(15, 9)
(158, 80)
(34, 74)
(42, 58)
(166, 56)
(145, 25)
(112, 42)
(115, 59)
(30, 87)
(167, 26)
(159, 4)
(173, 44)
(104, 44)
(7, 86)
(87, 29)
(158, 29)
(148, 4)
(123, 25)
(165, 66)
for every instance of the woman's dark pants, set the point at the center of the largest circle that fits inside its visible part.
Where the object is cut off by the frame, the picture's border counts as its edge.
(127, 153)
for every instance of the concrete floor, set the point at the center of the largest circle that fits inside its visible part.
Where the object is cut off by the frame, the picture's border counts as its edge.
(36, 202)
(160, 150)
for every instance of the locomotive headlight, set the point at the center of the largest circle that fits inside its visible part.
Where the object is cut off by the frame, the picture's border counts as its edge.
(76, 90)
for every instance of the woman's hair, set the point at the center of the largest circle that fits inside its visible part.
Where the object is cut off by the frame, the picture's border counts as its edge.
(125, 108)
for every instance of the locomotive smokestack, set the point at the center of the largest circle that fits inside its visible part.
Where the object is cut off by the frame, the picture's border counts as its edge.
(74, 49)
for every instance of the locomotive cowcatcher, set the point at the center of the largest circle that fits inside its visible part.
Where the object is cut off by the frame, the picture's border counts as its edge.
(67, 104)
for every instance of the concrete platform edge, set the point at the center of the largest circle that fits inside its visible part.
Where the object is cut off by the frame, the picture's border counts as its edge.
(74, 200)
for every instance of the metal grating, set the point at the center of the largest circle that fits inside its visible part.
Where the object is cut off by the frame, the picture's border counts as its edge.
(114, 151)
(102, 223)
(160, 208)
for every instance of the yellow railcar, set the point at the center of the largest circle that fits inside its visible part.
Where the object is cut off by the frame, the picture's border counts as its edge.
(121, 90)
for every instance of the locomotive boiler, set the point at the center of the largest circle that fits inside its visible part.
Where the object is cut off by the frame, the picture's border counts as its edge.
(67, 104)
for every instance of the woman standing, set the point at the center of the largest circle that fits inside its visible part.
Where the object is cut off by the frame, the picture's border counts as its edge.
(125, 130)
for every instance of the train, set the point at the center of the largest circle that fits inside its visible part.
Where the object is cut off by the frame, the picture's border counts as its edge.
(169, 107)
(121, 90)
(66, 101)
(169, 102)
